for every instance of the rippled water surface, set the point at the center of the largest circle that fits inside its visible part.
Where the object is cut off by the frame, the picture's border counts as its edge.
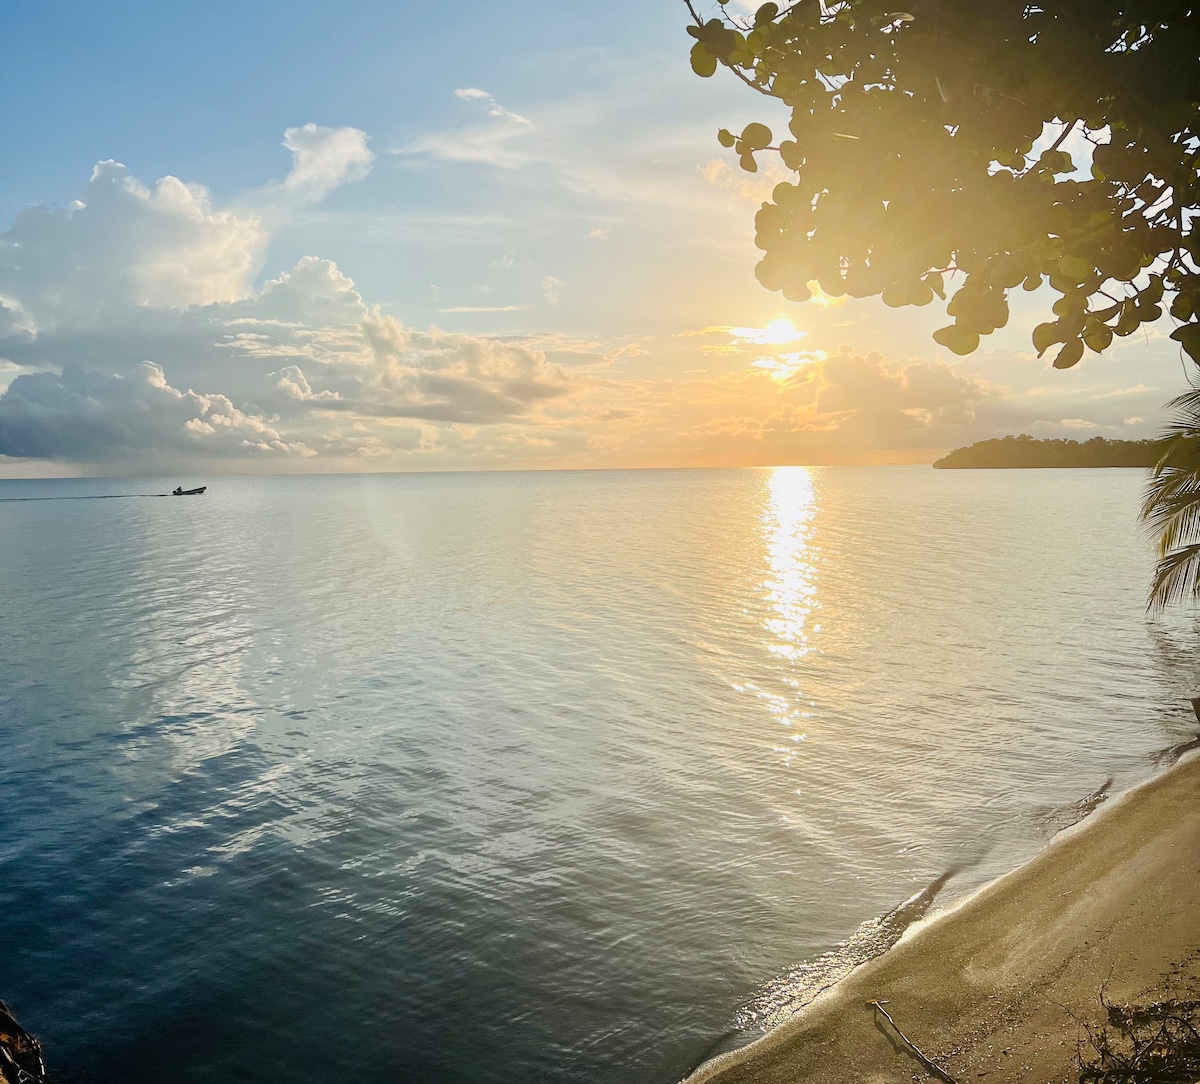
(534, 777)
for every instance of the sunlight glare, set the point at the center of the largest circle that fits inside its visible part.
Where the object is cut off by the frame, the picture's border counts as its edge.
(779, 332)
(783, 367)
(791, 588)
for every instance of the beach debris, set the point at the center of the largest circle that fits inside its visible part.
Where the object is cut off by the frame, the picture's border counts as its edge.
(1158, 1043)
(928, 1062)
(20, 1053)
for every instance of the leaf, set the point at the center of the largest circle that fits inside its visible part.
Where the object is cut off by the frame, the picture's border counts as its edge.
(1075, 267)
(756, 136)
(789, 151)
(766, 14)
(1069, 355)
(704, 64)
(797, 291)
(1129, 321)
(1045, 336)
(748, 163)
(726, 138)
(1097, 336)
(1188, 336)
(957, 339)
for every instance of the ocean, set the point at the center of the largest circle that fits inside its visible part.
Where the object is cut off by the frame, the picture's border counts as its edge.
(504, 778)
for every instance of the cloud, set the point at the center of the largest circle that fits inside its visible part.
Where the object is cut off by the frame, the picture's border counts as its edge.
(896, 399)
(751, 187)
(125, 244)
(314, 292)
(294, 385)
(305, 370)
(81, 415)
(324, 159)
(845, 407)
(493, 107)
(1119, 393)
(451, 377)
(485, 308)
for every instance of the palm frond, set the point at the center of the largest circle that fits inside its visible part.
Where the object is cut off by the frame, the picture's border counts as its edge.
(1176, 577)
(1171, 505)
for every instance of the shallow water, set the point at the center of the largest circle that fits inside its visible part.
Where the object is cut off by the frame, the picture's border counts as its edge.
(525, 777)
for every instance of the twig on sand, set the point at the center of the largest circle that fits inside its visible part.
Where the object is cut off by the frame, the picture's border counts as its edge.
(929, 1064)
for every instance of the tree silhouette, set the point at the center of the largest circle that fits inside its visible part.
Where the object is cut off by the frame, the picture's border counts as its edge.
(938, 145)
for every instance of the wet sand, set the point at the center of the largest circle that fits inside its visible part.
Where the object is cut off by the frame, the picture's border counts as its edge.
(995, 989)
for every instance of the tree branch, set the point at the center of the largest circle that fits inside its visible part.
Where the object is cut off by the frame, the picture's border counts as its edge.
(929, 1064)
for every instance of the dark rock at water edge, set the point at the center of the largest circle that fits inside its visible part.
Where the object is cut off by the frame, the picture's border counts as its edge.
(20, 1053)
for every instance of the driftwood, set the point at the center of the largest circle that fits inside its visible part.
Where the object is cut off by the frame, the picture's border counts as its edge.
(929, 1063)
(1144, 1044)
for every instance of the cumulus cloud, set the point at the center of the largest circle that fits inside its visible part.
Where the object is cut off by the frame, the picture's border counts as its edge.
(86, 416)
(294, 385)
(324, 159)
(126, 244)
(457, 378)
(893, 400)
(314, 292)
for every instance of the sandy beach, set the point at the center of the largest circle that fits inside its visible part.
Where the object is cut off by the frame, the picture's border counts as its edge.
(996, 988)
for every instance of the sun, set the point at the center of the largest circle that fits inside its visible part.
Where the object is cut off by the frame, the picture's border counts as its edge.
(780, 331)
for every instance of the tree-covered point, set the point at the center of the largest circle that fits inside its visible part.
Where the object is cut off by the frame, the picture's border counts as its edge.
(1026, 451)
(919, 147)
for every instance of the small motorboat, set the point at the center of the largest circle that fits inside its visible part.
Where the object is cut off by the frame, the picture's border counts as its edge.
(179, 491)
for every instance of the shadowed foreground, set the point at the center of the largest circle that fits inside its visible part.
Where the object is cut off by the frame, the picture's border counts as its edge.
(997, 988)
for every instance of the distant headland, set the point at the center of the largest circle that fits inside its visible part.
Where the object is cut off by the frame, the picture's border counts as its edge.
(1027, 451)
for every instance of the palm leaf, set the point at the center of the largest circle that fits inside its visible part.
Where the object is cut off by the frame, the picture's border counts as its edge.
(1171, 505)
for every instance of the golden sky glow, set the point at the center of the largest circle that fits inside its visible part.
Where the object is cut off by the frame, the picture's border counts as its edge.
(779, 332)
(500, 278)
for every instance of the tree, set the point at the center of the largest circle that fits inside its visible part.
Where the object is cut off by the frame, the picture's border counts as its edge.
(927, 148)
(911, 141)
(1171, 509)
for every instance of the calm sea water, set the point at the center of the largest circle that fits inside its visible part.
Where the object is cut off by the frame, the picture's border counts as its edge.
(533, 777)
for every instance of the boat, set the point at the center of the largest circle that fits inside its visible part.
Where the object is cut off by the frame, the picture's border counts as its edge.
(179, 491)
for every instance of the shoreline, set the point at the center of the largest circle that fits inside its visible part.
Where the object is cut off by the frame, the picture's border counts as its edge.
(997, 987)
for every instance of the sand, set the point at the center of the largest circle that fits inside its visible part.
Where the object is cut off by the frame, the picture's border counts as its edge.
(994, 989)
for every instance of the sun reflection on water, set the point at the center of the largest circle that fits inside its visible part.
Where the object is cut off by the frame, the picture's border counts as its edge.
(787, 523)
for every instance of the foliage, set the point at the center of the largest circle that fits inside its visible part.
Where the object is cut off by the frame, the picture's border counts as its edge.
(1025, 451)
(1171, 509)
(916, 139)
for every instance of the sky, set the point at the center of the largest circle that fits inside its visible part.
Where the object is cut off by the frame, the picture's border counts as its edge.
(272, 237)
